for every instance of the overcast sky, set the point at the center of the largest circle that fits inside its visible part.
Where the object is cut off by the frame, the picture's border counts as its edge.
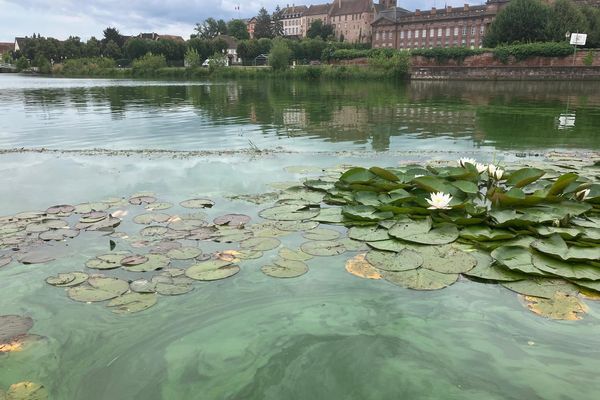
(85, 18)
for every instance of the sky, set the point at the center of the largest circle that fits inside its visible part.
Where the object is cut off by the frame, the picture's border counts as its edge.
(86, 18)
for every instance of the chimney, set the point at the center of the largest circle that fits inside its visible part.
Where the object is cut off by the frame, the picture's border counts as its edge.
(466, 8)
(448, 9)
(417, 12)
(433, 10)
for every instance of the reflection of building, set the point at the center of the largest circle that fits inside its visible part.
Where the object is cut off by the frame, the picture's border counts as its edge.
(295, 117)
(448, 27)
(293, 21)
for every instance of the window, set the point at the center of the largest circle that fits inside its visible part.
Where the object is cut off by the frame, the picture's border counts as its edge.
(377, 36)
(409, 34)
(481, 29)
(384, 35)
(416, 34)
(464, 30)
(439, 32)
(401, 34)
(432, 32)
(456, 31)
(448, 31)
(472, 31)
(424, 33)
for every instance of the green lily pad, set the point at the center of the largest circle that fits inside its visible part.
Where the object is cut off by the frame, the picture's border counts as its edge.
(283, 268)
(420, 279)
(330, 216)
(197, 203)
(172, 286)
(443, 234)
(13, 327)
(158, 206)
(368, 233)
(227, 234)
(98, 288)
(59, 234)
(163, 247)
(46, 225)
(524, 176)
(388, 245)
(142, 286)
(353, 245)
(232, 220)
(130, 303)
(27, 391)
(151, 218)
(321, 234)
(565, 233)
(516, 258)
(154, 231)
(212, 270)
(294, 226)
(447, 260)
(323, 248)
(135, 259)
(555, 246)
(484, 233)
(289, 212)
(404, 260)
(541, 287)
(260, 244)
(186, 224)
(155, 262)
(67, 279)
(85, 208)
(140, 200)
(107, 261)
(184, 253)
(564, 269)
(294, 255)
(60, 209)
(36, 256)
(561, 306)
(492, 272)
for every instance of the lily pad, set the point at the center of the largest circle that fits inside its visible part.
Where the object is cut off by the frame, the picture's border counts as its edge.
(260, 244)
(368, 234)
(155, 262)
(85, 208)
(447, 260)
(130, 303)
(164, 246)
(492, 272)
(516, 258)
(236, 255)
(140, 200)
(293, 226)
(27, 391)
(353, 245)
(5, 260)
(154, 231)
(158, 206)
(560, 306)
(184, 253)
(294, 255)
(142, 286)
(541, 287)
(67, 279)
(481, 233)
(107, 261)
(283, 268)
(212, 270)
(388, 245)
(172, 286)
(359, 266)
(60, 209)
(46, 225)
(289, 212)
(567, 270)
(197, 203)
(421, 279)
(323, 248)
(421, 232)
(59, 234)
(151, 218)
(404, 260)
(232, 220)
(13, 327)
(321, 234)
(36, 256)
(98, 288)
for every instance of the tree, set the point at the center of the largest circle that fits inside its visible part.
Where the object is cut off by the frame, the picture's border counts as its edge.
(263, 28)
(277, 21)
(202, 46)
(92, 48)
(22, 64)
(42, 64)
(592, 15)
(248, 50)
(114, 35)
(192, 58)
(112, 50)
(279, 57)
(72, 47)
(237, 28)
(211, 28)
(521, 21)
(565, 17)
(319, 29)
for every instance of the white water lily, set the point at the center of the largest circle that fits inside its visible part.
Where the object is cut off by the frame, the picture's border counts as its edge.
(495, 172)
(480, 167)
(439, 201)
(582, 194)
(463, 161)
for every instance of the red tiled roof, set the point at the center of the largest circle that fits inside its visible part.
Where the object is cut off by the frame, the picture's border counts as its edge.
(351, 7)
(318, 9)
(6, 47)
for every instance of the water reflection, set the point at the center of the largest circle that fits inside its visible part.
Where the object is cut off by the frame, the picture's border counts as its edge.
(298, 115)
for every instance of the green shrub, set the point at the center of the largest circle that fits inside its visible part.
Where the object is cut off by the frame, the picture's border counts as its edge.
(444, 54)
(527, 50)
(42, 64)
(22, 63)
(192, 58)
(148, 63)
(396, 65)
(279, 57)
(588, 60)
(87, 66)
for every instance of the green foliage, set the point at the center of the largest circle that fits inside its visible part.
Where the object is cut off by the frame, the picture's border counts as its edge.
(263, 27)
(112, 50)
(318, 29)
(524, 51)
(22, 64)
(112, 34)
(42, 64)
(192, 58)
(279, 57)
(211, 28)
(443, 55)
(588, 60)
(237, 29)
(396, 65)
(87, 66)
(520, 21)
(564, 16)
(217, 61)
(148, 63)
(277, 22)
(592, 16)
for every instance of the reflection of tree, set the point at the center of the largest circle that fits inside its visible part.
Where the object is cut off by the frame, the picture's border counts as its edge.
(508, 114)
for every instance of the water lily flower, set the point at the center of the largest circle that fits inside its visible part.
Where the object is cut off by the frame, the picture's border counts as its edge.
(582, 194)
(463, 161)
(480, 167)
(495, 172)
(439, 201)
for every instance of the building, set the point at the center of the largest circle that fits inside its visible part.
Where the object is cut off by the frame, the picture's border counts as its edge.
(6, 48)
(293, 21)
(449, 27)
(250, 24)
(155, 36)
(19, 43)
(231, 51)
(316, 12)
(351, 19)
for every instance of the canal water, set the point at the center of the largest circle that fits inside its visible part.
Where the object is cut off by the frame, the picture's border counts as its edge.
(326, 334)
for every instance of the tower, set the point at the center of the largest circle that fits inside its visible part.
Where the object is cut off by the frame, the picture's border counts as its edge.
(388, 3)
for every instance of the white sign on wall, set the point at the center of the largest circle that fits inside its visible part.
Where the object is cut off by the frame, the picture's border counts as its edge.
(578, 39)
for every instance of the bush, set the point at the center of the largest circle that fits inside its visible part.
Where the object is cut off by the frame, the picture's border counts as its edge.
(87, 66)
(42, 64)
(148, 63)
(192, 58)
(443, 54)
(22, 63)
(588, 60)
(279, 57)
(395, 64)
(217, 61)
(524, 51)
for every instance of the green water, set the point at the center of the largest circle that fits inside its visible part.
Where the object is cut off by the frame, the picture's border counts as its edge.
(325, 335)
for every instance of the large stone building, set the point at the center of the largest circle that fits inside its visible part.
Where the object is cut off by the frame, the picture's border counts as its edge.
(316, 12)
(294, 23)
(448, 27)
(351, 20)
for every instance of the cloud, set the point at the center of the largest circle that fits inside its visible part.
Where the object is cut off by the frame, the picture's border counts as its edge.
(86, 18)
